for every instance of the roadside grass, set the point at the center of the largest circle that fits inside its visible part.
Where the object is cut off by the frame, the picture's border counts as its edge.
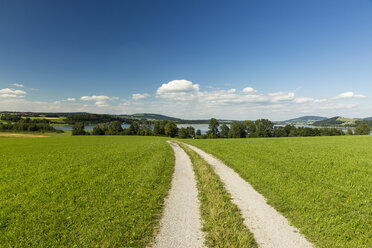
(221, 219)
(87, 191)
(30, 134)
(20, 135)
(322, 185)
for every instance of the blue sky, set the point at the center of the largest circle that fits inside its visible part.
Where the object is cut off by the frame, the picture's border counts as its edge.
(189, 59)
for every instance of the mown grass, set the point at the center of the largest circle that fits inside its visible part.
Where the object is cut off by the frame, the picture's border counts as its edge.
(82, 191)
(222, 221)
(323, 185)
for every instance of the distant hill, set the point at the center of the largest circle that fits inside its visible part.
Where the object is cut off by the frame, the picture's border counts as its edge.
(304, 120)
(158, 117)
(307, 119)
(337, 121)
(153, 117)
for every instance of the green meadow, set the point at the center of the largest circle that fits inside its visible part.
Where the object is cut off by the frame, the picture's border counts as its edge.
(89, 191)
(323, 185)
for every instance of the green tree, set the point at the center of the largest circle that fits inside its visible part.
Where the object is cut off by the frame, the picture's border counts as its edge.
(134, 128)
(171, 129)
(362, 129)
(156, 129)
(190, 131)
(183, 133)
(145, 128)
(213, 128)
(114, 128)
(350, 132)
(100, 129)
(280, 132)
(264, 128)
(78, 129)
(250, 128)
(198, 132)
(237, 130)
(224, 133)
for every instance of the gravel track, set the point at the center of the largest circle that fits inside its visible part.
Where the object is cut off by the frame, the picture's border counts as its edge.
(180, 225)
(270, 228)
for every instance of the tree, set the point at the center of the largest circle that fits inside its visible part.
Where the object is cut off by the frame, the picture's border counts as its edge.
(250, 128)
(183, 133)
(280, 132)
(171, 129)
(78, 129)
(115, 128)
(134, 128)
(362, 129)
(237, 130)
(198, 132)
(264, 128)
(145, 128)
(156, 129)
(224, 133)
(213, 128)
(191, 131)
(100, 129)
(162, 126)
(350, 132)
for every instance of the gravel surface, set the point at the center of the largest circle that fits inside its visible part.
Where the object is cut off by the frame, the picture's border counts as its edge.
(270, 228)
(180, 225)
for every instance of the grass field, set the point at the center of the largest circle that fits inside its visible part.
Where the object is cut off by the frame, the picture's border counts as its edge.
(82, 191)
(58, 120)
(323, 185)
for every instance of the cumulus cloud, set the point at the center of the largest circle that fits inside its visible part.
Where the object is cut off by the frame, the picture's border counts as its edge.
(100, 101)
(70, 99)
(19, 85)
(11, 93)
(178, 89)
(248, 90)
(303, 100)
(349, 94)
(8, 96)
(138, 96)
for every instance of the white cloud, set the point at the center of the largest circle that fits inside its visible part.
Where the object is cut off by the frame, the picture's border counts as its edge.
(8, 96)
(248, 90)
(100, 101)
(231, 91)
(303, 100)
(281, 96)
(70, 99)
(101, 104)
(138, 96)
(349, 94)
(178, 89)
(19, 85)
(12, 91)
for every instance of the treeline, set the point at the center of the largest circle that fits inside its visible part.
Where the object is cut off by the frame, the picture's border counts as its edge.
(14, 123)
(87, 119)
(22, 126)
(144, 128)
(244, 129)
(11, 118)
(264, 128)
